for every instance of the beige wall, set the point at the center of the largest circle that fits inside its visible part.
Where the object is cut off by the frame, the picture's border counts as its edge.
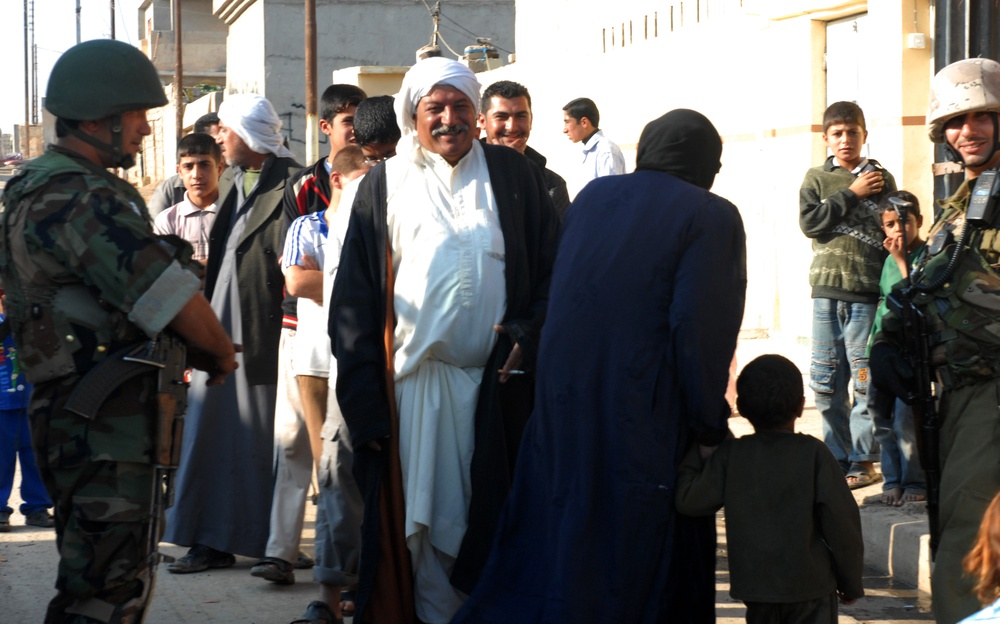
(37, 139)
(757, 72)
(373, 80)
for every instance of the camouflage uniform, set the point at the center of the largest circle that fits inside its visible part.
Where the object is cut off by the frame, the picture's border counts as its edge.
(964, 321)
(85, 278)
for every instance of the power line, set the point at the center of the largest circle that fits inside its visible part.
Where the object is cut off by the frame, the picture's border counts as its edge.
(469, 32)
(448, 46)
(464, 31)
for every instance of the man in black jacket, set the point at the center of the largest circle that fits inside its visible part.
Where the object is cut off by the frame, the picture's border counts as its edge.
(506, 118)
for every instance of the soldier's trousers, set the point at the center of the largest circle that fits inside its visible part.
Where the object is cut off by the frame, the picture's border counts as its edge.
(970, 477)
(99, 475)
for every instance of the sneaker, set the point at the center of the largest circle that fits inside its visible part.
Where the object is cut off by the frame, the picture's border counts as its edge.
(4, 521)
(275, 570)
(40, 519)
(201, 558)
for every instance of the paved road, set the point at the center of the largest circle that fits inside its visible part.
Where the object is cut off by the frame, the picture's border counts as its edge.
(28, 562)
(27, 567)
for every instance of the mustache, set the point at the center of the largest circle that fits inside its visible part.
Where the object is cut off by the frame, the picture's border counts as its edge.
(449, 130)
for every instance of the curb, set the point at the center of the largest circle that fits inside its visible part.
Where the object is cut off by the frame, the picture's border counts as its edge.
(897, 541)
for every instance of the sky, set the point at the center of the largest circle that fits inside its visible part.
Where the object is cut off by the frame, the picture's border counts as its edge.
(55, 32)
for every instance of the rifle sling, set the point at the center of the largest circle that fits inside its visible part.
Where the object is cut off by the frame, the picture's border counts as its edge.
(99, 382)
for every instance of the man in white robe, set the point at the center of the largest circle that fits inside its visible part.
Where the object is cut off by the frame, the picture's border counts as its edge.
(470, 232)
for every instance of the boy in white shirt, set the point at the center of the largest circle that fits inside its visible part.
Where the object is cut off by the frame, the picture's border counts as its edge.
(311, 244)
(199, 164)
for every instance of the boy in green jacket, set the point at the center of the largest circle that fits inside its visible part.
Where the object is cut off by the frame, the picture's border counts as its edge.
(837, 210)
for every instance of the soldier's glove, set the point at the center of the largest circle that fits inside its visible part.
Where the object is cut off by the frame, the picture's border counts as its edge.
(891, 373)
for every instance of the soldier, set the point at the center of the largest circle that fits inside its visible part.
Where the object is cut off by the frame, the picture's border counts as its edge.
(90, 288)
(956, 288)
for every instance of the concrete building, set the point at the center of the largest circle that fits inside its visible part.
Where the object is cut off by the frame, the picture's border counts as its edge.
(763, 71)
(266, 51)
(31, 144)
(203, 37)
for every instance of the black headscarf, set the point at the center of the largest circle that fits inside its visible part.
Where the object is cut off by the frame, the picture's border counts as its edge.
(683, 143)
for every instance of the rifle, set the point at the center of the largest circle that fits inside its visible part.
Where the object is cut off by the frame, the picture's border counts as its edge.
(916, 349)
(168, 353)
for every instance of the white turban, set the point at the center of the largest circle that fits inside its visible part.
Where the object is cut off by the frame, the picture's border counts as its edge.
(253, 118)
(418, 82)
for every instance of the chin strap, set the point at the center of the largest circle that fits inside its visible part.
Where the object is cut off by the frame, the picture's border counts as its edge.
(118, 158)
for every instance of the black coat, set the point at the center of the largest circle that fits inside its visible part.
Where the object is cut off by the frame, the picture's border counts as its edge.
(357, 324)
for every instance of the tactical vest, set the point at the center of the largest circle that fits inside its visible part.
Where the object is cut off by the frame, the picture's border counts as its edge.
(964, 313)
(60, 324)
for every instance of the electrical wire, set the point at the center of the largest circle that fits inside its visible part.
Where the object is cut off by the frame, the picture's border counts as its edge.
(469, 32)
(448, 46)
(464, 31)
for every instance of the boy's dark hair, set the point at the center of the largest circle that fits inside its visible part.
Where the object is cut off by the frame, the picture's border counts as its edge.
(584, 107)
(769, 392)
(337, 98)
(843, 113)
(205, 122)
(198, 144)
(885, 205)
(506, 89)
(375, 121)
(348, 160)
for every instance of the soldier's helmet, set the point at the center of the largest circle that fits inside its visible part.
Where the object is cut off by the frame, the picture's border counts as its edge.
(967, 86)
(99, 78)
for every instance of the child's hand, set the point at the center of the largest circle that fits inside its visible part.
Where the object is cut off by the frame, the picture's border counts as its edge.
(844, 600)
(894, 245)
(868, 184)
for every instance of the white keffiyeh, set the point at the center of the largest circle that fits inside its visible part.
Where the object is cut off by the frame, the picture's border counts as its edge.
(417, 83)
(254, 119)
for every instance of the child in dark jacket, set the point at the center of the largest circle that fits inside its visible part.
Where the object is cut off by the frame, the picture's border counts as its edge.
(792, 526)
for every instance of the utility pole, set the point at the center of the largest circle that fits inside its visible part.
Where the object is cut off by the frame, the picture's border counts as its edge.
(27, 82)
(432, 49)
(312, 119)
(34, 71)
(112, 19)
(78, 22)
(178, 71)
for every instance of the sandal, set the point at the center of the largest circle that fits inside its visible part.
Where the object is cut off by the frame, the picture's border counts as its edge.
(275, 570)
(303, 561)
(863, 477)
(318, 613)
(350, 596)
